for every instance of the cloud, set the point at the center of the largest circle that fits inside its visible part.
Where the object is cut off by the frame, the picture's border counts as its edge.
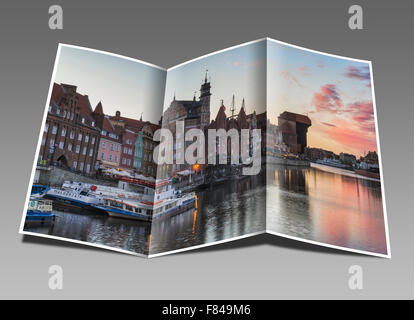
(328, 124)
(363, 115)
(349, 137)
(320, 64)
(304, 70)
(327, 99)
(361, 73)
(290, 77)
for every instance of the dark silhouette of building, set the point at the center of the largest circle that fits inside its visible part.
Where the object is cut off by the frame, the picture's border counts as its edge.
(294, 129)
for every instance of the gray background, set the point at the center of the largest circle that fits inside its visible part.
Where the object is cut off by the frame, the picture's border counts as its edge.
(167, 33)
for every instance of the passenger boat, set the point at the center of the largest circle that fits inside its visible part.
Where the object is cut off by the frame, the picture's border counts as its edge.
(159, 203)
(75, 198)
(39, 210)
(127, 209)
(333, 163)
(146, 211)
(38, 190)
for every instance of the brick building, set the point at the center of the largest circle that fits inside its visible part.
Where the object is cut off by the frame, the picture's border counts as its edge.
(137, 144)
(294, 128)
(109, 151)
(195, 114)
(71, 137)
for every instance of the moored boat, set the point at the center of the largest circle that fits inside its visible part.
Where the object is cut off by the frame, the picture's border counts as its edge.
(38, 190)
(39, 210)
(80, 198)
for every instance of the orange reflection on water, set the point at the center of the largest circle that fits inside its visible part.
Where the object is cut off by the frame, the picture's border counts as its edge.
(327, 207)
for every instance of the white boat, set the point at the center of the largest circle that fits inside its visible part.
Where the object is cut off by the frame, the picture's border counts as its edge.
(79, 198)
(332, 163)
(165, 201)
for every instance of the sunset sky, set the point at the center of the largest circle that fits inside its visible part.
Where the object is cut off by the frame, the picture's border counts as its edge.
(335, 93)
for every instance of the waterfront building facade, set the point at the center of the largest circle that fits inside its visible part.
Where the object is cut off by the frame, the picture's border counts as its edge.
(194, 113)
(71, 137)
(109, 151)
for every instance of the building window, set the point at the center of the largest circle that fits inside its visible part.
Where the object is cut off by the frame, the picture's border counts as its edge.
(110, 157)
(80, 137)
(117, 148)
(84, 151)
(63, 132)
(129, 162)
(102, 156)
(116, 159)
(43, 141)
(130, 151)
(90, 152)
(88, 168)
(70, 147)
(125, 150)
(103, 144)
(72, 134)
(68, 115)
(81, 166)
(93, 140)
(75, 164)
(54, 129)
(61, 145)
(128, 141)
(46, 127)
(77, 148)
(52, 142)
(123, 161)
(86, 138)
(72, 116)
(112, 147)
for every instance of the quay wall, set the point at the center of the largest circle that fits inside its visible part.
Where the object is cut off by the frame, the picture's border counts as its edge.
(54, 177)
(287, 162)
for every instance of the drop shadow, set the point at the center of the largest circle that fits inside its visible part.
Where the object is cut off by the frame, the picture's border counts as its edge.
(258, 240)
(273, 240)
(38, 240)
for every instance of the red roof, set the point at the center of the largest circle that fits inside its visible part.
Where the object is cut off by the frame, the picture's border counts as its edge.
(61, 91)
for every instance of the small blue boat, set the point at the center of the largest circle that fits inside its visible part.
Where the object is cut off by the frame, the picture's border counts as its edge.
(39, 190)
(39, 211)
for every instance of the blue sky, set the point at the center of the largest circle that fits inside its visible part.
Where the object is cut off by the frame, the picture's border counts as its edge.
(119, 83)
(240, 71)
(334, 92)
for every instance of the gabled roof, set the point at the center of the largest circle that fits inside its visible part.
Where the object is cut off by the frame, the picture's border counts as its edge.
(61, 91)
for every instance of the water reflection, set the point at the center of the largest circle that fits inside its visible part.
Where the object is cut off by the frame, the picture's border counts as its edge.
(228, 210)
(117, 233)
(225, 211)
(328, 207)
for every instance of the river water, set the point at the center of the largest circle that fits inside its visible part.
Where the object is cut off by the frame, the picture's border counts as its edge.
(328, 205)
(224, 211)
(320, 203)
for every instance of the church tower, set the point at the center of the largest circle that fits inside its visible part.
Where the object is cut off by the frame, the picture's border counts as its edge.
(205, 102)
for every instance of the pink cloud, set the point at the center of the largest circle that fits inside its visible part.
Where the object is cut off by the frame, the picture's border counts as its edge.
(327, 99)
(290, 77)
(349, 136)
(361, 73)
